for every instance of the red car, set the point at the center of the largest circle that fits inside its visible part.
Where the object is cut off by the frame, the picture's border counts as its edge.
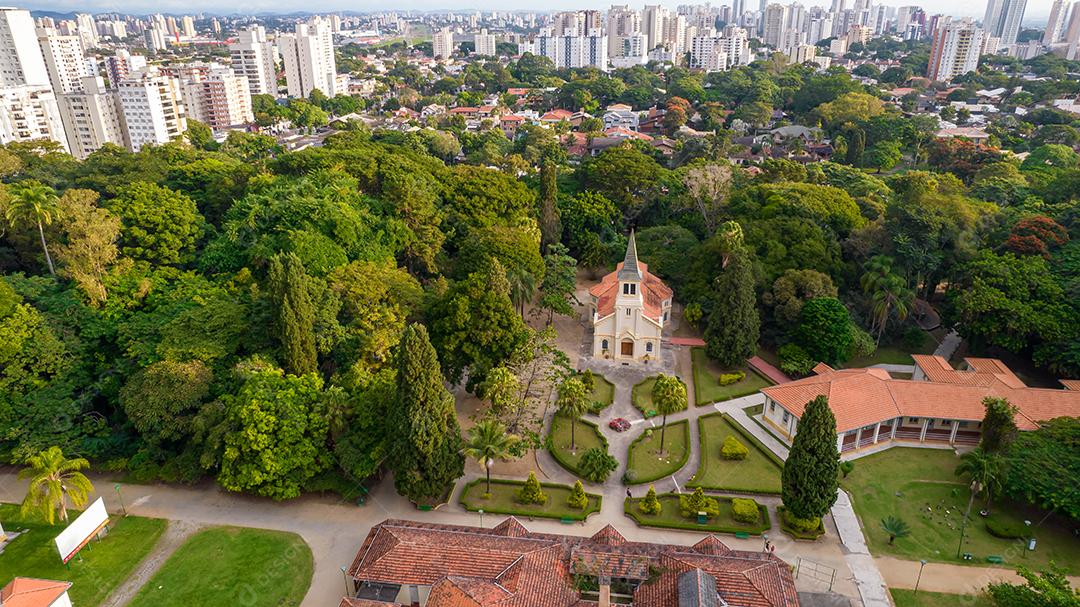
(619, 424)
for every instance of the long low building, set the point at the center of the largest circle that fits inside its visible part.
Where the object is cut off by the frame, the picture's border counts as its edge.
(939, 405)
(429, 565)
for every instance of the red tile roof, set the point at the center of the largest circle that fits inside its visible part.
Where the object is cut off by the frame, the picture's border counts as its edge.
(862, 397)
(32, 592)
(508, 566)
(654, 293)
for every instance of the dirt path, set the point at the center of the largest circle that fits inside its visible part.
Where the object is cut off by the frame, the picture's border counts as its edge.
(175, 534)
(946, 577)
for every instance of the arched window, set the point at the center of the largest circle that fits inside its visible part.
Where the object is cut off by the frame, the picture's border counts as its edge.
(648, 346)
(603, 345)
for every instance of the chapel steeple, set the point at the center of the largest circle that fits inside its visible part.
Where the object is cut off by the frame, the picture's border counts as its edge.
(630, 271)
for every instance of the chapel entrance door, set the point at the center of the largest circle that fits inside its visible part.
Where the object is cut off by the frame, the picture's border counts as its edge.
(627, 348)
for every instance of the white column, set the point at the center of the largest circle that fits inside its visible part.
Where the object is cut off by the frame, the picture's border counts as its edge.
(840, 442)
(925, 427)
(877, 430)
(952, 435)
(895, 423)
(858, 437)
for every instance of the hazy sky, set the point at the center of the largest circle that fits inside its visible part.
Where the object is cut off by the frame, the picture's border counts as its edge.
(1036, 9)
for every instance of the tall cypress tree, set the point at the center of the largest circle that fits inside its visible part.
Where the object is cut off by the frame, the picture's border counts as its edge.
(731, 335)
(550, 226)
(294, 313)
(810, 472)
(425, 440)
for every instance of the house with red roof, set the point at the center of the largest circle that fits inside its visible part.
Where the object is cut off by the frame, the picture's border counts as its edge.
(939, 406)
(432, 565)
(628, 310)
(31, 592)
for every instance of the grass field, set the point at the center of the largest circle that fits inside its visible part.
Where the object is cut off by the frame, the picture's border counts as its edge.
(671, 517)
(894, 355)
(919, 487)
(226, 566)
(645, 463)
(908, 598)
(603, 392)
(103, 565)
(758, 473)
(586, 436)
(503, 500)
(641, 396)
(707, 388)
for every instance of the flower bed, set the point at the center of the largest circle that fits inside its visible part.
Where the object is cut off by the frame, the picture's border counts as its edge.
(503, 500)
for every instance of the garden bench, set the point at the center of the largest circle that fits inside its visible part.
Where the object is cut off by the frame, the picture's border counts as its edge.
(993, 558)
(967, 556)
(742, 535)
(566, 520)
(425, 508)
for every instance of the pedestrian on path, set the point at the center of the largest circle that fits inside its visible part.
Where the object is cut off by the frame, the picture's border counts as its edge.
(628, 492)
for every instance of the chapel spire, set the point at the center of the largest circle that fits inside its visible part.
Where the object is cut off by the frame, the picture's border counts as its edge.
(630, 269)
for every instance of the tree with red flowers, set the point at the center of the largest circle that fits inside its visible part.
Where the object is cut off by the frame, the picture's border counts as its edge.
(1036, 236)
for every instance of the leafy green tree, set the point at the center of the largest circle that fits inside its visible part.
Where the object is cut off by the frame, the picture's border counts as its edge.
(53, 479)
(650, 504)
(883, 155)
(531, 492)
(596, 465)
(625, 175)
(160, 225)
(793, 289)
(732, 332)
(32, 203)
(474, 326)
(669, 396)
(708, 187)
(275, 433)
(294, 312)
(809, 479)
(572, 403)
(89, 248)
(824, 330)
(1049, 588)
(162, 399)
(895, 528)
(550, 226)
(489, 441)
(560, 282)
(849, 108)
(362, 447)
(998, 425)
(888, 293)
(200, 136)
(577, 498)
(425, 451)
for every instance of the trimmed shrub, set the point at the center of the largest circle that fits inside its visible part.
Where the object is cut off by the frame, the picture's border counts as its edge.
(691, 505)
(802, 525)
(733, 449)
(1006, 530)
(726, 379)
(577, 498)
(596, 465)
(745, 510)
(650, 504)
(531, 493)
(846, 467)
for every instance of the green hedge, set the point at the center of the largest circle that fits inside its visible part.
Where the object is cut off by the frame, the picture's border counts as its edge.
(560, 456)
(555, 508)
(799, 535)
(669, 518)
(769, 455)
(638, 480)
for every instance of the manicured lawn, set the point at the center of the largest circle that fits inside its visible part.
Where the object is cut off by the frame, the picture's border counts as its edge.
(586, 436)
(603, 392)
(908, 598)
(671, 517)
(758, 473)
(226, 566)
(707, 389)
(105, 563)
(641, 396)
(919, 487)
(646, 464)
(894, 355)
(503, 500)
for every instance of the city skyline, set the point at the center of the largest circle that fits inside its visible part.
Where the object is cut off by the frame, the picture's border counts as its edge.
(1037, 10)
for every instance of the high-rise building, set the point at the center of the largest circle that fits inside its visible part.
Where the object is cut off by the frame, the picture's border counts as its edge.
(484, 43)
(157, 39)
(21, 59)
(1055, 25)
(1072, 34)
(624, 23)
(151, 107)
(119, 65)
(254, 58)
(572, 50)
(775, 23)
(28, 113)
(214, 94)
(1002, 19)
(87, 29)
(442, 43)
(91, 117)
(187, 25)
(64, 60)
(954, 50)
(309, 59)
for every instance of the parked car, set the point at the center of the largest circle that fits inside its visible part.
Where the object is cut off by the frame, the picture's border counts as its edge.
(619, 424)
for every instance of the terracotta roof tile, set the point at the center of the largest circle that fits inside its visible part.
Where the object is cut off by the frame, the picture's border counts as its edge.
(654, 293)
(32, 592)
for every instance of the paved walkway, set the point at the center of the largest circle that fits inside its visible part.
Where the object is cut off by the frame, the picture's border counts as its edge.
(948, 346)
(871, 584)
(894, 368)
(175, 535)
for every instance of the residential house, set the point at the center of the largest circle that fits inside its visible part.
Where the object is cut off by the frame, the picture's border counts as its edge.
(939, 406)
(31, 592)
(620, 118)
(556, 116)
(510, 123)
(976, 135)
(431, 565)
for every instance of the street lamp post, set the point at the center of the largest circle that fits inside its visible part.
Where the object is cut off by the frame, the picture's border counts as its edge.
(481, 511)
(346, 578)
(121, 498)
(922, 563)
(976, 487)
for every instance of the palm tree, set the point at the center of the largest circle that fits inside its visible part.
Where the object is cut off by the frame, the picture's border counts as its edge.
(489, 441)
(669, 396)
(890, 295)
(522, 288)
(573, 402)
(876, 269)
(53, 478)
(895, 528)
(32, 202)
(986, 470)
